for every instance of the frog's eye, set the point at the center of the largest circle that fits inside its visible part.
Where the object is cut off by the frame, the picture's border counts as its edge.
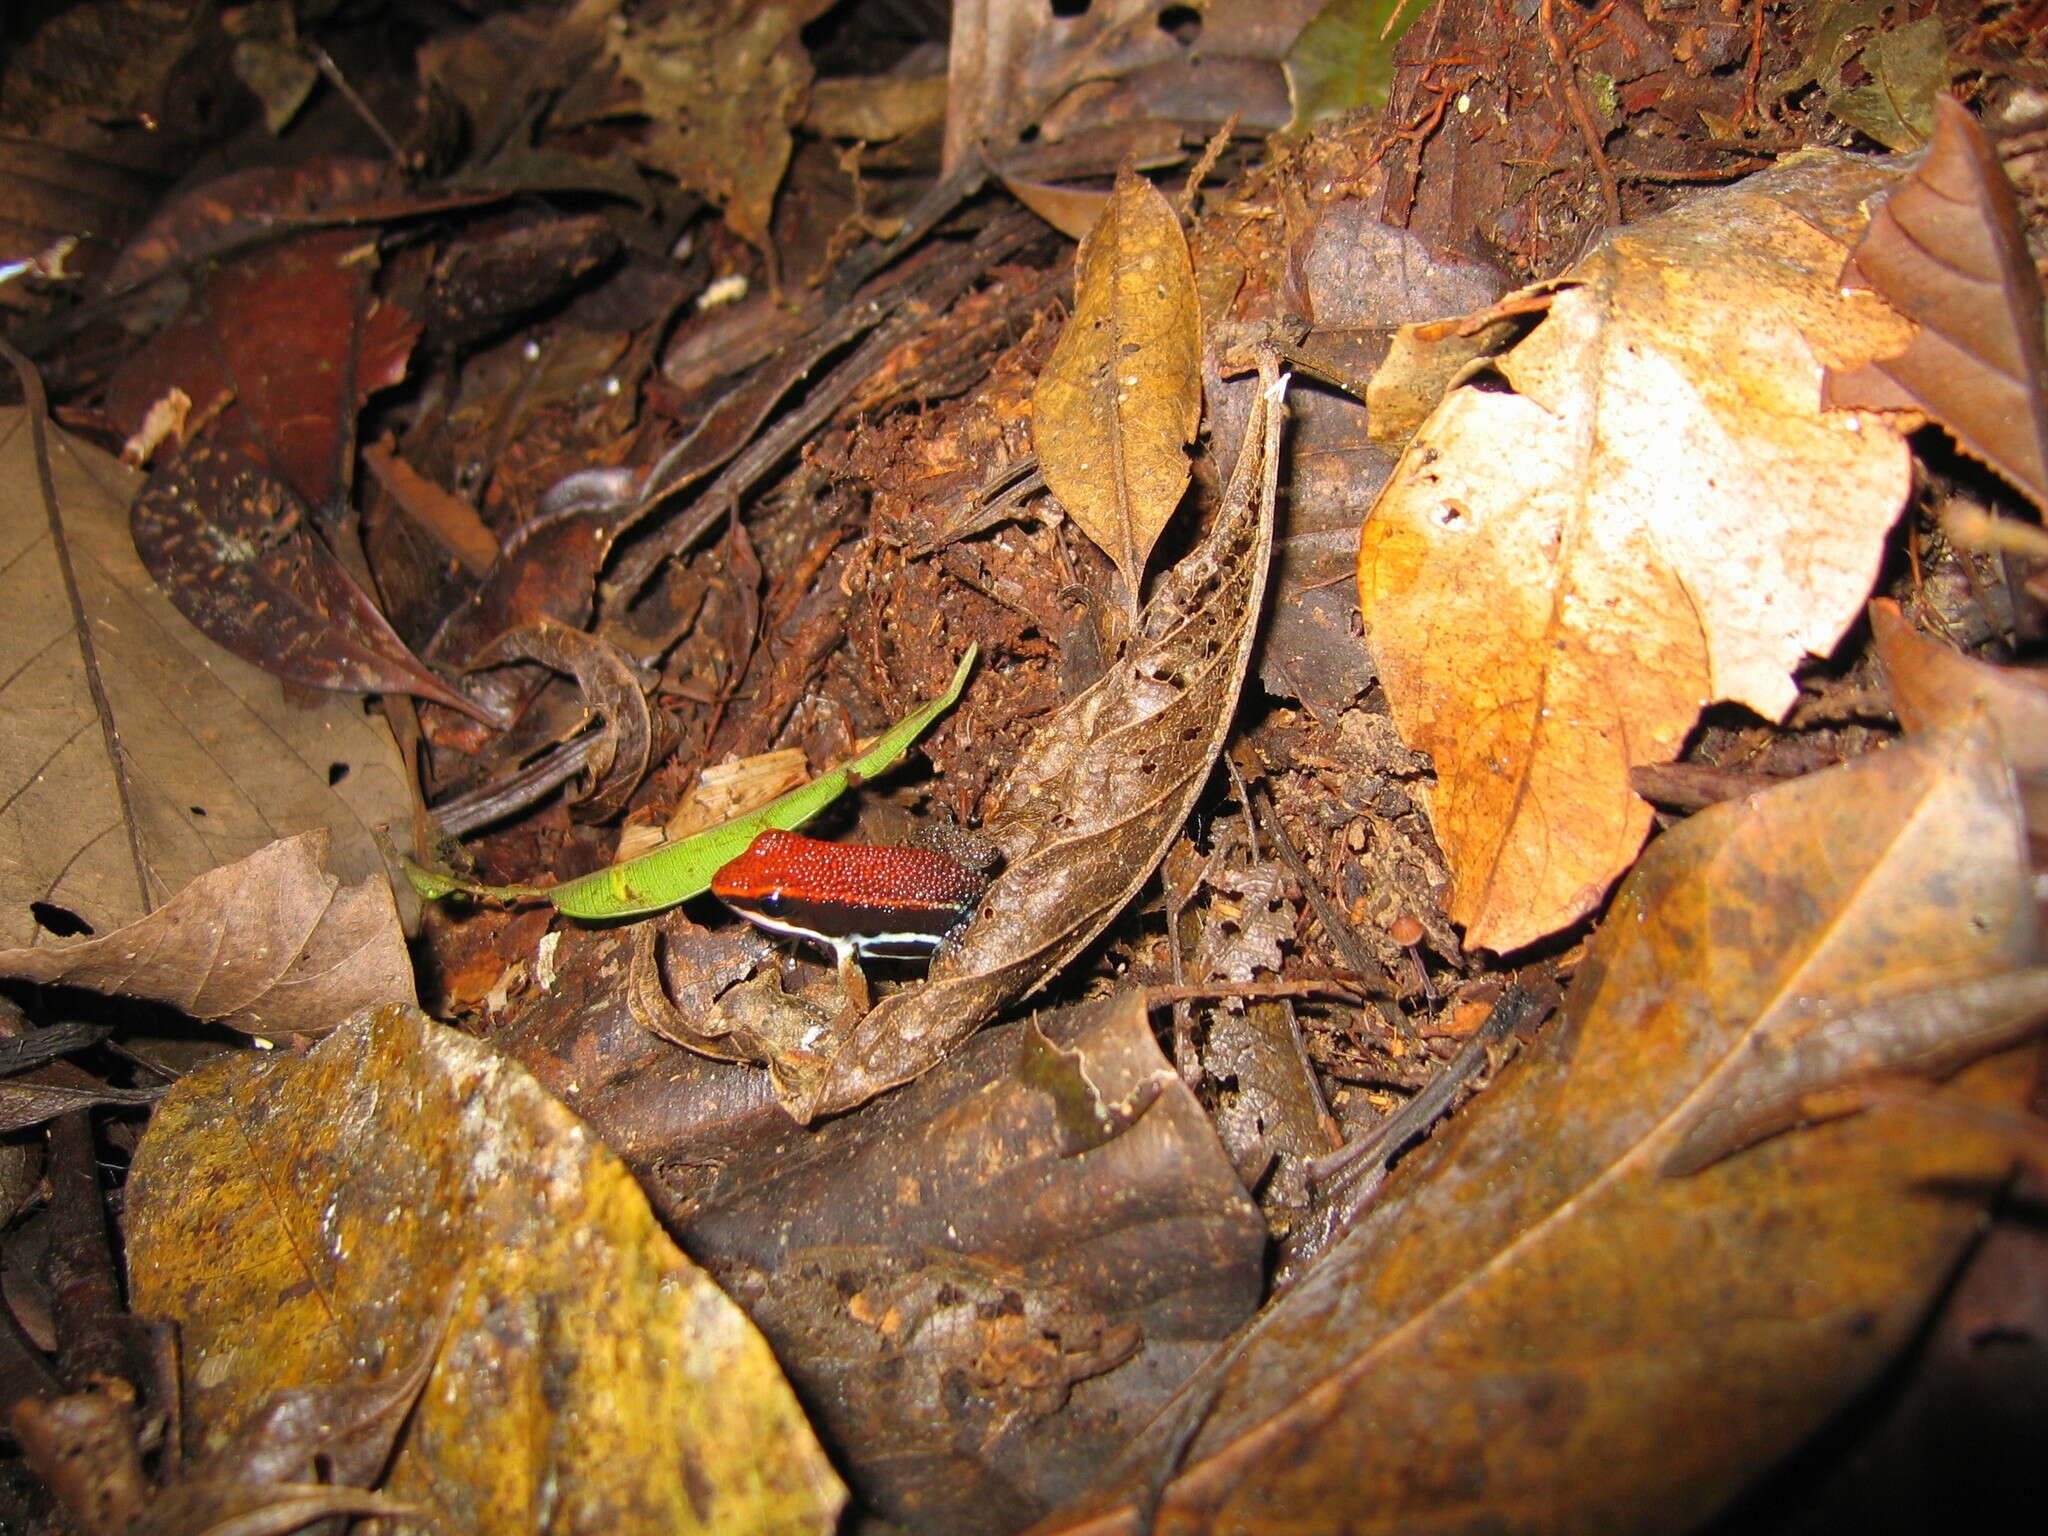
(772, 902)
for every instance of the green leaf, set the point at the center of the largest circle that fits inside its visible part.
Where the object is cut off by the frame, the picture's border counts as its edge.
(1344, 59)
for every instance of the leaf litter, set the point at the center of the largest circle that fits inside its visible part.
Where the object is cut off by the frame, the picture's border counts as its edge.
(990, 1254)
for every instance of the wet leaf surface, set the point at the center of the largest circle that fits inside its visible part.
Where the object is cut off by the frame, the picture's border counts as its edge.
(1482, 1345)
(305, 1219)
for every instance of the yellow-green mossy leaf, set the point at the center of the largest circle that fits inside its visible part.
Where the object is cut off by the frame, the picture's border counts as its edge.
(311, 1219)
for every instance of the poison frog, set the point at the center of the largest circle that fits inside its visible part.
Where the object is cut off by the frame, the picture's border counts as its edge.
(851, 898)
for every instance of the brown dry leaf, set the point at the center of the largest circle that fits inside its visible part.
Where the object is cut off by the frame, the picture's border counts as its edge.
(1654, 515)
(1007, 61)
(1946, 250)
(875, 108)
(631, 738)
(722, 82)
(212, 762)
(1073, 71)
(1121, 397)
(1933, 686)
(960, 1232)
(271, 945)
(1535, 1328)
(26, 1103)
(302, 1218)
(1091, 806)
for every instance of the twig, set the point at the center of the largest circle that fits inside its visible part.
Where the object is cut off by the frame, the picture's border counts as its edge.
(1342, 1171)
(370, 119)
(1581, 114)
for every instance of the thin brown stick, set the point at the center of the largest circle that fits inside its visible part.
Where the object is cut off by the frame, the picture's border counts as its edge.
(1581, 114)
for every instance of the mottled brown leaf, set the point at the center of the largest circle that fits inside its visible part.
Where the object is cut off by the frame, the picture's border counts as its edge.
(721, 83)
(271, 945)
(1121, 396)
(1946, 250)
(1092, 804)
(300, 1217)
(1535, 1328)
(232, 546)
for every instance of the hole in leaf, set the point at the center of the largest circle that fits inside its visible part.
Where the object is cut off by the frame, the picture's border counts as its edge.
(58, 922)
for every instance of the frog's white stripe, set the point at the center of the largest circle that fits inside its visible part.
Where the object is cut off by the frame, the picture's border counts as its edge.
(845, 948)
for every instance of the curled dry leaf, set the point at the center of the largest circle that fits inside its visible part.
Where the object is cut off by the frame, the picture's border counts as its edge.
(1655, 514)
(299, 1216)
(23, 1104)
(1504, 1265)
(1098, 795)
(1121, 397)
(1946, 250)
(271, 945)
(632, 738)
(212, 764)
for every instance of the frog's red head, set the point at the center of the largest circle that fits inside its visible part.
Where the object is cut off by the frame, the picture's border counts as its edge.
(852, 898)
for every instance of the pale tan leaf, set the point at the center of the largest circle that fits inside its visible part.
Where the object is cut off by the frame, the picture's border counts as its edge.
(1656, 514)
(306, 1218)
(1121, 397)
(212, 763)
